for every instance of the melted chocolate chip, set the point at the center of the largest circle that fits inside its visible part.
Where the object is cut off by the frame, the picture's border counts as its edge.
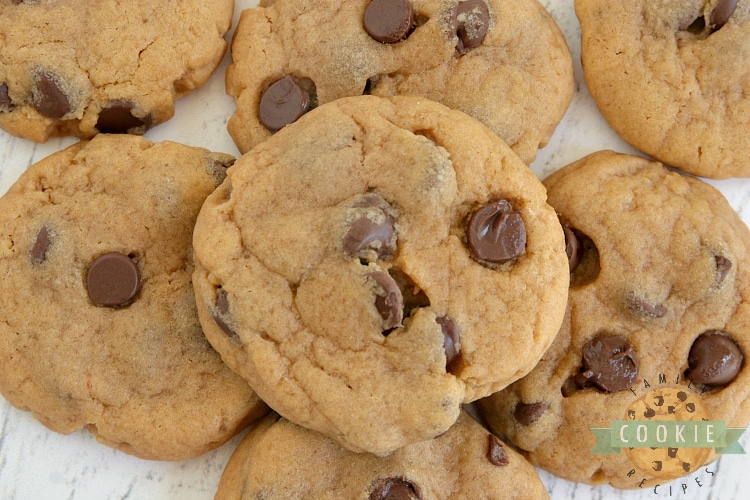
(588, 267)
(470, 21)
(609, 363)
(372, 229)
(389, 21)
(642, 307)
(573, 247)
(721, 13)
(395, 488)
(715, 359)
(113, 280)
(413, 296)
(5, 102)
(496, 452)
(388, 299)
(220, 312)
(371, 83)
(723, 266)
(451, 340)
(496, 233)
(49, 98)
(284, 102)
(118, 118)
(41, 245)
(528, 413)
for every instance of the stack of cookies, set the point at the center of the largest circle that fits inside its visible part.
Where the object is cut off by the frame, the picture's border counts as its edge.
(380, 262)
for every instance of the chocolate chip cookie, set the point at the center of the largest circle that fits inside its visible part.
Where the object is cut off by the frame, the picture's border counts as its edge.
(673, 78)
(72, 67)
(99, 328)
(376, 264)
(504, 62)
(280, 460)
(660, 281)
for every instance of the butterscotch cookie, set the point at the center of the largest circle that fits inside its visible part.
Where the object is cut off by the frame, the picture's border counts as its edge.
(656, 327)
(673, 78)
(98, 325)
(504, 62)
(375, 265)
(280, 460)
(78, 67)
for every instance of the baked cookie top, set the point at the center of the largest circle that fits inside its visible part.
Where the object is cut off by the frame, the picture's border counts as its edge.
(658, 300)
(98, 326)
(504, 62)
(673, 78)
(78, 67)
(375, 265)
(280, 460)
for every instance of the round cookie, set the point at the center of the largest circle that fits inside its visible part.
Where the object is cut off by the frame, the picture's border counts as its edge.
(504, 62)
(99, 328)
(673, 78)
(658, 305)
(72, 67)
(343, 268)
(280, 460)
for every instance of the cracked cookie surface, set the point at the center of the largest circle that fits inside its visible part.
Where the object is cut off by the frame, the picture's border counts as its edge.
(504, 62)
(98, 324)
(658, 300)
(672, 78)
(82, 67)
(376, 264)
(280, 460)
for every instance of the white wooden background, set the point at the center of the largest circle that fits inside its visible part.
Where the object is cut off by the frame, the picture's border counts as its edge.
(36, 464)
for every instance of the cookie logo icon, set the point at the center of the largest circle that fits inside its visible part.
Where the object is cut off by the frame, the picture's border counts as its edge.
(659, 421)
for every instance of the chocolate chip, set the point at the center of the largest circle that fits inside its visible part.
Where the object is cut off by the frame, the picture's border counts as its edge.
(470, 21)
(284, 102)
(496, 233)
(5, 102)
(370, 84)
(389, 21)
(588, 267)
(220, 312)
(528, 413)
(413, 296)
(451, 339)
(721, 13)
(118, 118)
(48, 96)
(573, 247)
(569, 387)
(496, 452)
(113, 280)
(715, 359)
(41, 245)
(609, 363)
(395, 488)
(373, 229)
(388, 299)
(723, 266)
(642, 307)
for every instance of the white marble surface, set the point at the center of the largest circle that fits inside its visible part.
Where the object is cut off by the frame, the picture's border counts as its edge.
(38, 464)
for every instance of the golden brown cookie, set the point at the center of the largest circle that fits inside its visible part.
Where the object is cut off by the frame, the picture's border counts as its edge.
(280, 460)
(504, 62)
(375, 265)
(673, 78)
(79, 67)
(98, 324)
(656, 327)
